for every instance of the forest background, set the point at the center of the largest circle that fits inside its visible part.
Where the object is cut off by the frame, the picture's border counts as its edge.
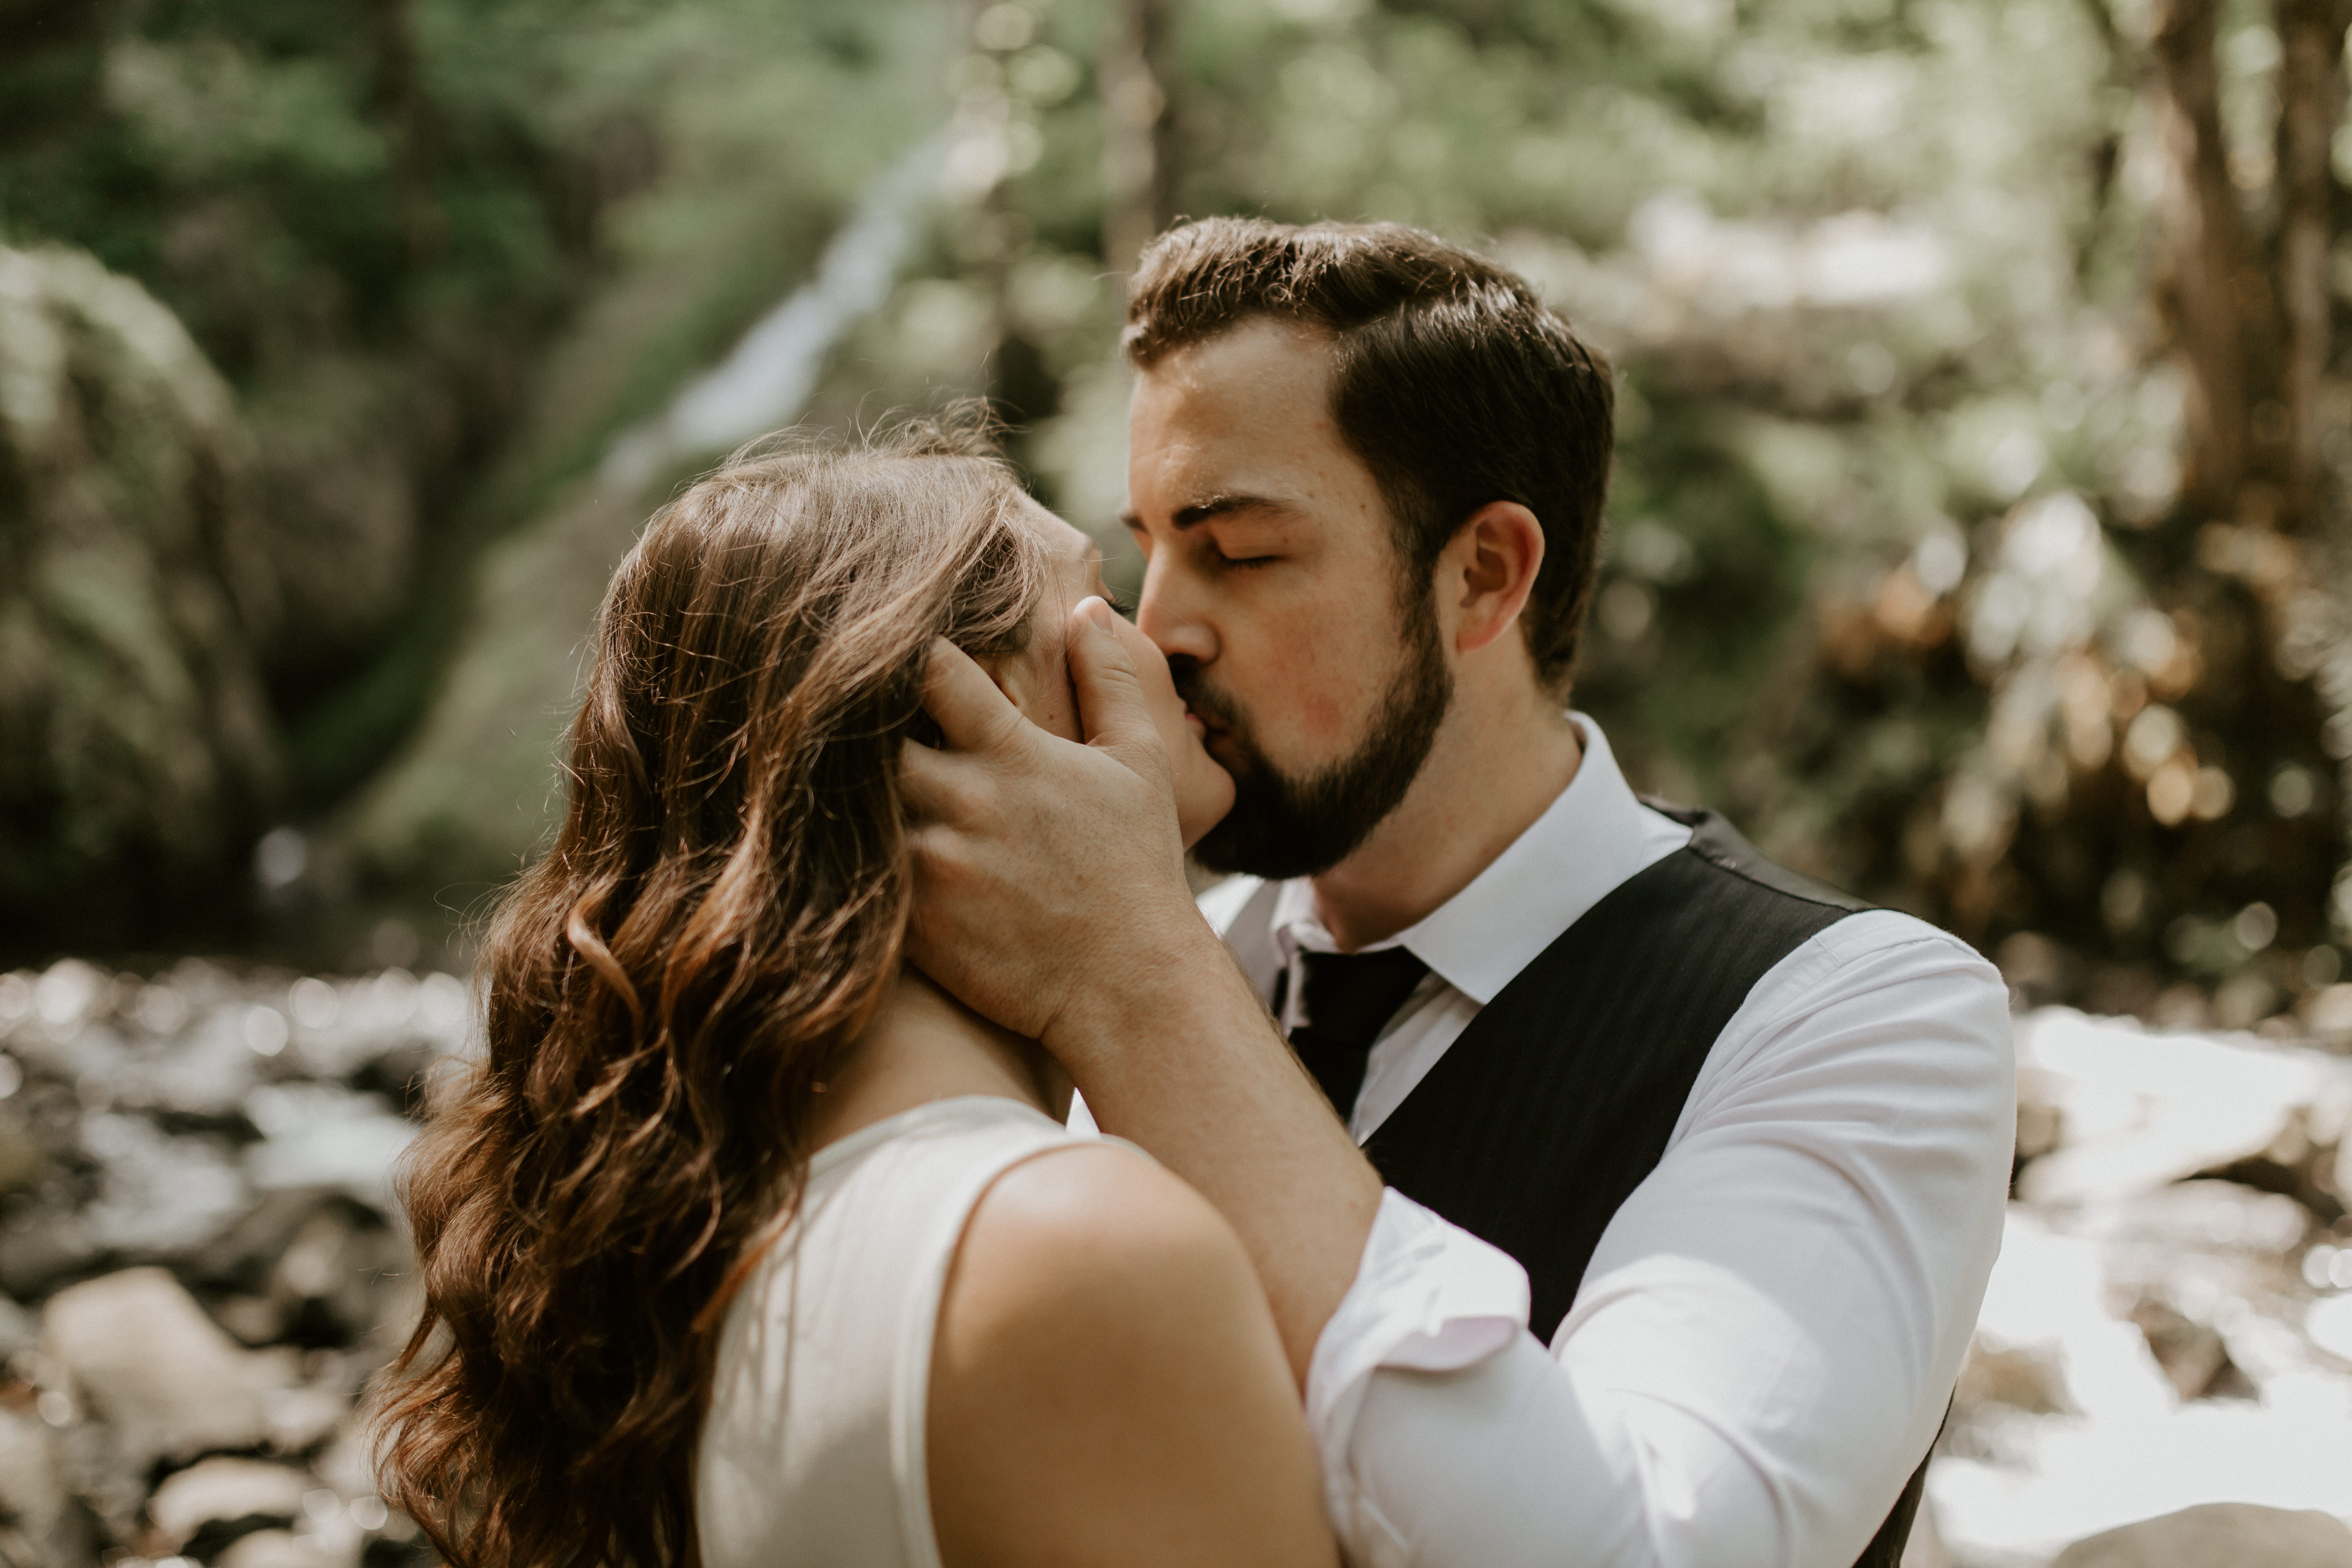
(1979, 536)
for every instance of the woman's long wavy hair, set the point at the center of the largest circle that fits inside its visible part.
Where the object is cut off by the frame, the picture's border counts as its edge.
(720, 916)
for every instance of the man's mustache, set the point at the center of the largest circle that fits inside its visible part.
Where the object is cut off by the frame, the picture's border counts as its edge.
(1224, 720)
(1213, 706)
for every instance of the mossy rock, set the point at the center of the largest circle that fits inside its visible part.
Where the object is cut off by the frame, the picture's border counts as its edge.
(140, 756)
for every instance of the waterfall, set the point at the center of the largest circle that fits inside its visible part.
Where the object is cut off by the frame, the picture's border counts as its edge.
(766, 381)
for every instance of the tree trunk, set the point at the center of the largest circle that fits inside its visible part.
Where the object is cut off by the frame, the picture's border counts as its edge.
(399, 100)
(2209, 282)
(1137, 166)
(2250, 318)
(2311, 106)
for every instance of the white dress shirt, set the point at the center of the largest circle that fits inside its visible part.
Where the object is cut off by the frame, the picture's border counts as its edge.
(1769, 1330)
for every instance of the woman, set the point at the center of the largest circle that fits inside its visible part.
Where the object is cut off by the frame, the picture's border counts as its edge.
(746, 1245)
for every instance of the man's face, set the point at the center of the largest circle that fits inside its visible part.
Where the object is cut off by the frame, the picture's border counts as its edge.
(1272, 584)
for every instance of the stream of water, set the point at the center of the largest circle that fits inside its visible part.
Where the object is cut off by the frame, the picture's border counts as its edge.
(765, 382)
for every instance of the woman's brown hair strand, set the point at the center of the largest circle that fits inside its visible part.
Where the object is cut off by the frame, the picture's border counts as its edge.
(721, 912)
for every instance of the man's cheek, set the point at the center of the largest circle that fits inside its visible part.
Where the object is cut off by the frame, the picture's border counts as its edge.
(1322, 716)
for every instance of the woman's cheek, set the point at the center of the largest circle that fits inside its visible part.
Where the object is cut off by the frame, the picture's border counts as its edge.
(1204, 792)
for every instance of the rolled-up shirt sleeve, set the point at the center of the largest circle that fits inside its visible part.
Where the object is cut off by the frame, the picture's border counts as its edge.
(1766, 1334)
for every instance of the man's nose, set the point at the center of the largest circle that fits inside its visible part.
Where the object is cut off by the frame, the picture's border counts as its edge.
(1172, 612)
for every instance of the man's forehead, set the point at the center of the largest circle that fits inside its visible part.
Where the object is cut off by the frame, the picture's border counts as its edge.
(1259, 357)
(1241, 415)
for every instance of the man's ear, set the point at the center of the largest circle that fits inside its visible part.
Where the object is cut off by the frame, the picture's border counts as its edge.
(1494, 557)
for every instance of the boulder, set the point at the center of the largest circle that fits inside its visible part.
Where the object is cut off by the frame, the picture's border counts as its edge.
(276, 1548)
(225, 1494)
(135, 591)
(162, 1195)
(2194, 1355)
(167, 1383)
(321, 1136)
(2201, 1217)
(2139, 1345)
(2136, 1110)
(302, 1418)
(204, 1069)
(2032, 1378)
(2219, 1535)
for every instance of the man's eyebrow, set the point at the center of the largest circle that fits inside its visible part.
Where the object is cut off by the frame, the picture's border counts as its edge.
(1215, 506)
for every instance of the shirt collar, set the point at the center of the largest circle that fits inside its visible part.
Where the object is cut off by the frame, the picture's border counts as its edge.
(1595, 836)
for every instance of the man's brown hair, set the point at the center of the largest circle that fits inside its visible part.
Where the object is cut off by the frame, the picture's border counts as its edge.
(1452, 381)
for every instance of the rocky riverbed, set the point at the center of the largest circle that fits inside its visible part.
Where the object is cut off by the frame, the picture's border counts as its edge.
(2171, 1320)
(201, 1269)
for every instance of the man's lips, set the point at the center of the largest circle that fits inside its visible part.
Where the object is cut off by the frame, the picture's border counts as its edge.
(1218, 742)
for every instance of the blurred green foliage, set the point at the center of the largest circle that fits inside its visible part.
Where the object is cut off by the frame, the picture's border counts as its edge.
(1900, 555)
(373, 219)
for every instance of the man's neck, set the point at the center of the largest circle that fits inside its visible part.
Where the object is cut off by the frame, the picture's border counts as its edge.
(1489, 777)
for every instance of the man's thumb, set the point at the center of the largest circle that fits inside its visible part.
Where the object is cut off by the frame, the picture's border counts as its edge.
(1112, 712)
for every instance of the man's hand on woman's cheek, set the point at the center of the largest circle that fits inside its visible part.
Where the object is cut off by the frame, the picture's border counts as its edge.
(1047, 873)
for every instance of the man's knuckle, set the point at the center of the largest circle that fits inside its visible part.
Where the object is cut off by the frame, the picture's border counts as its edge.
(954, 800)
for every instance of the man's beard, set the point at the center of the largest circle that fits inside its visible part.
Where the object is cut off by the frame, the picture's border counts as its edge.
(1282, 827)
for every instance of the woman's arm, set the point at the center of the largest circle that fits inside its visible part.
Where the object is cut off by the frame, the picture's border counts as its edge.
(1108, 1386)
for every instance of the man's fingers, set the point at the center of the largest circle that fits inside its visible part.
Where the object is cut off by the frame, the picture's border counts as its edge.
(971, 713)
(936, 854)
(928, 782)
(1111, 707)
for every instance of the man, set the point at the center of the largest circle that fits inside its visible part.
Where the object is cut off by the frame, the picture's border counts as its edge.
(1693, 1170)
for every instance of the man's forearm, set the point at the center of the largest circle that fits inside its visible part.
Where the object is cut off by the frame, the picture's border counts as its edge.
(1182, 1059)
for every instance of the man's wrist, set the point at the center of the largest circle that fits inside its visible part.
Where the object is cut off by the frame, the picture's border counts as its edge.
(1170, 965)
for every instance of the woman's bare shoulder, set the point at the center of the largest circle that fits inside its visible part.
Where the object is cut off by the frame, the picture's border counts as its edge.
(1086, 1256)
(1100, 1220)
(1106, 1373)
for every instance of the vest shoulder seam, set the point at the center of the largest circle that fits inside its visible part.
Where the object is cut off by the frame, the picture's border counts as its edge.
(1731, 867)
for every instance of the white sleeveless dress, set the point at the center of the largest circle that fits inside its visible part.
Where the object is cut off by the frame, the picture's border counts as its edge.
(812, 1452)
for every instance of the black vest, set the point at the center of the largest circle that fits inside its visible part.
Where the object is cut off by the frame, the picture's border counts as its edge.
(1558, 1100)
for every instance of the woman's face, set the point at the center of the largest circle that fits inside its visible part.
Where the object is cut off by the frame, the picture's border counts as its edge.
(1040, 685)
